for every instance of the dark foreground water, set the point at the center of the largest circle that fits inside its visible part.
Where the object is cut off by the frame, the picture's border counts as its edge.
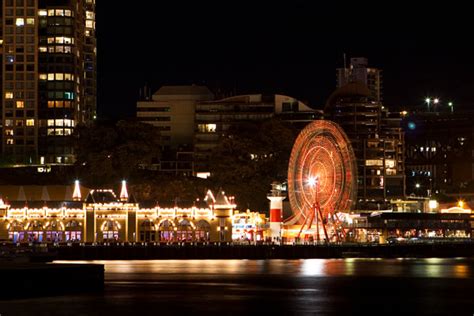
(265, 287)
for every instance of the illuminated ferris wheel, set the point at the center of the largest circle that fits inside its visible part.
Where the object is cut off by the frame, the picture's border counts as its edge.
(321, 178)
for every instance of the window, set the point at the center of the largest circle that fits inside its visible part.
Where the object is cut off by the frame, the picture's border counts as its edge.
(89, 15)
(9, 132)
(10, 141)
(207, 128)
(20, 104)
(30, 122)
(8, 122)
(8, 95)
(30, 21)
(89, 24)
(42, 13)
(19, 22)
(43, 76)
(374, 162)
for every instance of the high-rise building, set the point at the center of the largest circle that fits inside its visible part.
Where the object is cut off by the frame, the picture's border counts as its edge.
(378, 142)
(359, 71)
(48, 77)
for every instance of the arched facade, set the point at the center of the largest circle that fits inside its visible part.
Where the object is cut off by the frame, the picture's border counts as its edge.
(105, 218)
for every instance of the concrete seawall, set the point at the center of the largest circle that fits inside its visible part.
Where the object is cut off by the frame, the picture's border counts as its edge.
(41, 279)
(124, 252)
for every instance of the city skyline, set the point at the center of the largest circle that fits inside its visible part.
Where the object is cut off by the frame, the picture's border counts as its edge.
(291, 49)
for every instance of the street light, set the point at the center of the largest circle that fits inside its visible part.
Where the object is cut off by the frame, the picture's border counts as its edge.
(417, 185)
(428, 101)
(450, 104)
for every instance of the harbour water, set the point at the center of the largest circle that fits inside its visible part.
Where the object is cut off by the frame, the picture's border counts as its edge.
(313, 286)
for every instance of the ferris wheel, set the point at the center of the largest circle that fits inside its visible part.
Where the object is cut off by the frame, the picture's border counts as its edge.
(321, 178)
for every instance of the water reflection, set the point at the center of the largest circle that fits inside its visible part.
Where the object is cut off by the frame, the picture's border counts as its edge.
(429, 268)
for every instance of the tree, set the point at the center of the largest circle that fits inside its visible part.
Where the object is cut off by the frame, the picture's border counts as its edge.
(250, 157)
(106, 153)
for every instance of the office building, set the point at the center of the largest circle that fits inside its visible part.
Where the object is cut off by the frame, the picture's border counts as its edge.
(214, 118)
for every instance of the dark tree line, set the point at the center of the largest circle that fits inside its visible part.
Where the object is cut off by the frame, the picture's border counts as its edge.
(247, 160)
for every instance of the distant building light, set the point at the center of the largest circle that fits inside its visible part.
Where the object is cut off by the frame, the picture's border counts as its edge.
(203, 175)
(433, 204)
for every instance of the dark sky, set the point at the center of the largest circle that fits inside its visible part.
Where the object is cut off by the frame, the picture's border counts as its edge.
(290, 47)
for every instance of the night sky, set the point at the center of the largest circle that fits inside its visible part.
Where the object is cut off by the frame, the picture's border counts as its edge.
(290, 48)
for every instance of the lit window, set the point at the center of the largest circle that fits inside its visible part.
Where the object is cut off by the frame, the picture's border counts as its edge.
(89, 24)
(50, 104)
(8, 122)
(50, 122)
(50, 12)
(20, 104)
(67, 12)
(374, 162)
(89, 15)
(59, 12)
(30, 122)
(8, 95)
(59, 77)
(50, 77)
(43, 76)
(389, 163)
(30, 21)
(19, 22)
(10, 141)
(42, 13)
(9, 132)
(42, 49)
(51, 131)
(59, 122)
(19, 123)
(207, 128)
(69, 95)
(68, 123)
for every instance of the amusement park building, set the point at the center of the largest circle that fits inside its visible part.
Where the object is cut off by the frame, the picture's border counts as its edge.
(104, 217)
(378, 142)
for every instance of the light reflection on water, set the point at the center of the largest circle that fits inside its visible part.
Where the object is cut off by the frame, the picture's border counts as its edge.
(430, 268)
